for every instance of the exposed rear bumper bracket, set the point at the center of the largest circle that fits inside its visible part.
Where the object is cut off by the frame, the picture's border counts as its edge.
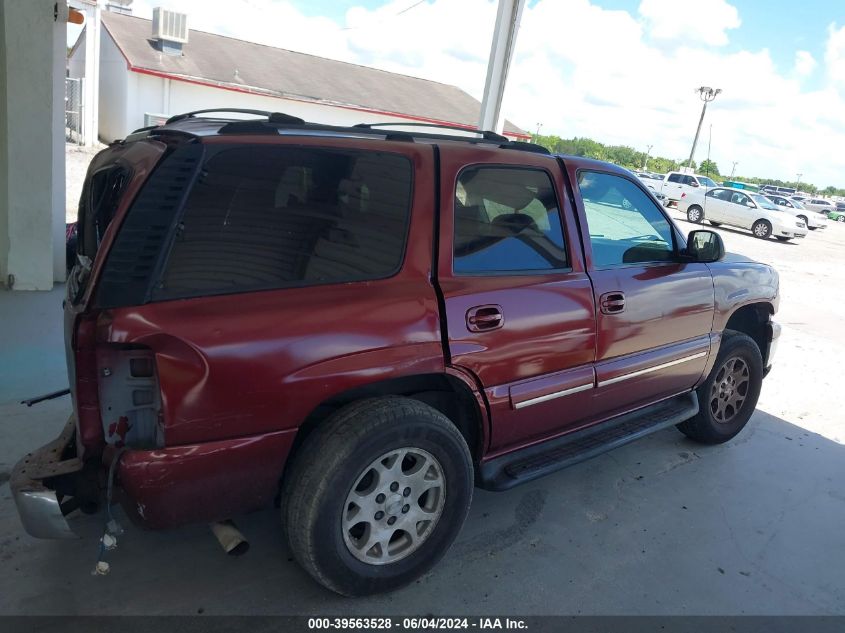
(38, 505)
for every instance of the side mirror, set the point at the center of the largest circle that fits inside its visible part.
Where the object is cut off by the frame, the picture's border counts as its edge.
(705, 247)
(749, 203)
(693, 184)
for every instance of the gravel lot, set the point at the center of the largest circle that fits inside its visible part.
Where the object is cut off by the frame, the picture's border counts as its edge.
(661, 526)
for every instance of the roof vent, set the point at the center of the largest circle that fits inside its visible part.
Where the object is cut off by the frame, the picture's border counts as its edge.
(170, 30)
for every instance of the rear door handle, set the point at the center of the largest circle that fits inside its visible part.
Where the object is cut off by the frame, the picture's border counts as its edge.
(485, 318)
(612, 302)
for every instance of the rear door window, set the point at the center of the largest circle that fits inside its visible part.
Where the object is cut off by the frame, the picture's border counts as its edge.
(675, 178)
(276, 217)
(507, 222)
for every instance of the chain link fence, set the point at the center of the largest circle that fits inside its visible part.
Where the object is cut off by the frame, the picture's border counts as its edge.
(73, 111)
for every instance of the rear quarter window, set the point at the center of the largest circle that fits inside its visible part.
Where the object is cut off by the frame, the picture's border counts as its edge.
(276, 217)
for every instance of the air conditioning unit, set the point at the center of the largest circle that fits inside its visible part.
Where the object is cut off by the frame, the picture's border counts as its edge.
(170, 26)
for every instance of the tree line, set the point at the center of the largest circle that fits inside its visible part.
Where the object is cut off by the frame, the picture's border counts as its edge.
(631, 158)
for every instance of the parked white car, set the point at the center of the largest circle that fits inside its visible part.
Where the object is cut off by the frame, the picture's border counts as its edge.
(676, 184)
(742, 209)
(812, 220)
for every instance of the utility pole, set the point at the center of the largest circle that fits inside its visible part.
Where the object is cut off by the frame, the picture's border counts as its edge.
(647, 152)
(733, 169)
(706, 94)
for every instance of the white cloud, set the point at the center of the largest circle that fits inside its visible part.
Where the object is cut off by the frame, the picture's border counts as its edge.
(582, 70)
(834, 55)
(805, 63)
(707, 22)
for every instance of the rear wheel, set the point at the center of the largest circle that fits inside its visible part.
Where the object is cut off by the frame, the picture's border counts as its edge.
(376, 495)
(840, 218)
(695, 214)
(729, 395)
(762, 229)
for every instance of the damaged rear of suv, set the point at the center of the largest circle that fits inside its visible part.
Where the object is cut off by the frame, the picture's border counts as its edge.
(363, 324)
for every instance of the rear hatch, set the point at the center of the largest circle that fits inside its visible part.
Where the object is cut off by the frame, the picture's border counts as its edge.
(114, 178)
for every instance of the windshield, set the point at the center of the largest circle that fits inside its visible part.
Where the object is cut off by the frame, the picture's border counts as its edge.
(764, 203)
(704, 180)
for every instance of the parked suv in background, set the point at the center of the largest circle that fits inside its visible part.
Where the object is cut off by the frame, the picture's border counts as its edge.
(819, 205)
(364, 324)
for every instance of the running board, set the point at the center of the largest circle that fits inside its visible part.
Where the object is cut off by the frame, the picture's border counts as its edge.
(518, 467)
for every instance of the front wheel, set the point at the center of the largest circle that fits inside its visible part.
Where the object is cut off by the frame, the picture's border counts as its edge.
(376, 495)
(695, 214)
(762, 229)
(729, 395)
(840, 218)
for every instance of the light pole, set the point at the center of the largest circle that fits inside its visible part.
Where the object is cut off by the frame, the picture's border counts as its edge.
(645, 158)
(798, 182)
(733, 169)
(707, 94)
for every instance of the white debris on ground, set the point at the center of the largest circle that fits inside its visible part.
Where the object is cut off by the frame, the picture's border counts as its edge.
(77, 158)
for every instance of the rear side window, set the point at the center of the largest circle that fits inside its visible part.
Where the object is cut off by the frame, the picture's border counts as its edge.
(276, 217)
(507, 222)
(676, 178)
(98, 203)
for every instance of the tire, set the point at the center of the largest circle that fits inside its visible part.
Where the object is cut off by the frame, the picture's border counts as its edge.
(715, 223)
(761, 229)
(840, 218)
(721, 414)
(695, 214)
(351, 458)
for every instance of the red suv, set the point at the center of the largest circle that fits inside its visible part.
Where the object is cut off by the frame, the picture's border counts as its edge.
(362, 324)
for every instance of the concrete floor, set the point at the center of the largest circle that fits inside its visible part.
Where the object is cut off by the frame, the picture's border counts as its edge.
(662, 526)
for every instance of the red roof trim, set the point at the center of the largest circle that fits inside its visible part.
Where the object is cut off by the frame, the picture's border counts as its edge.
(253, 91)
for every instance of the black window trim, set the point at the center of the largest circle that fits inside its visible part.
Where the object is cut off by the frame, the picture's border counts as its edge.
(535, 272)
(213, 150)
(677, 237)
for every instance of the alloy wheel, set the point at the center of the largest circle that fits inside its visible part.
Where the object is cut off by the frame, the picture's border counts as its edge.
(394, 506)
(729, 390)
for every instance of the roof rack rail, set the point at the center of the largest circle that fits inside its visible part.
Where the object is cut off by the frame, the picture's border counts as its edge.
(190, 115)
(485, 134)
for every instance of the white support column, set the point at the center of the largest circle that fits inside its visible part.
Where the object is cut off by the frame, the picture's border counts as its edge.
(501, 52)
(91, 84)
(58, 192)
(32, 62)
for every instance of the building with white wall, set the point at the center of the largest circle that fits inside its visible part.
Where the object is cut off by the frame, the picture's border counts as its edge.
(144, 77)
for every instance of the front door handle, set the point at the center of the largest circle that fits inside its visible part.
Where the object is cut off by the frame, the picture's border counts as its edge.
(612, 302)
(485, 318)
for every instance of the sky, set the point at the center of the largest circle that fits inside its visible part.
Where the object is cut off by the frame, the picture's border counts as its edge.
(618, 71)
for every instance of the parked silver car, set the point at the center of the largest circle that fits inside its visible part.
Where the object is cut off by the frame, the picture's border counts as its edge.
(812, 220)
